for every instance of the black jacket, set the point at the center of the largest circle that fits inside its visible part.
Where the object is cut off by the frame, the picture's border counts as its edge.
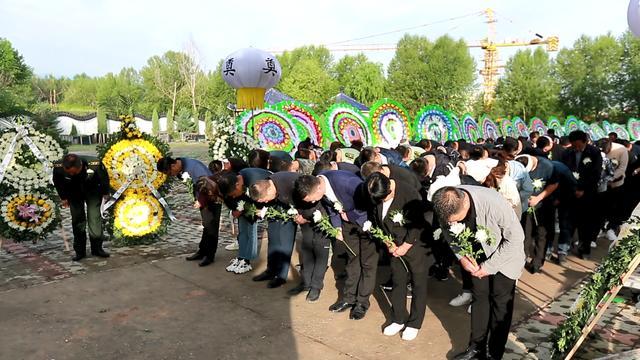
(589, 170)
(409, 202)
(93, 180)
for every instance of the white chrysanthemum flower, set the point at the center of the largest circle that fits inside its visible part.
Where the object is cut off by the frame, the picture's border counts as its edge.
(240, 206)
(366, 226)
(437, 233)
(586, 161)
(262, 213)
(185, 176)
(482, 236)
(398, 218)
(338, 206)
(292, 211)
(317, 216)
(457, 228)
(538, 184)
(576, 175)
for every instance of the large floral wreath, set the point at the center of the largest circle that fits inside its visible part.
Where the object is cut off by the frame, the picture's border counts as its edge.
(228, 142)
(130, 157)
(28, 204)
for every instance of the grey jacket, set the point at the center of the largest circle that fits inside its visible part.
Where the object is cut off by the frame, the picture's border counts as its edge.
(494, 212)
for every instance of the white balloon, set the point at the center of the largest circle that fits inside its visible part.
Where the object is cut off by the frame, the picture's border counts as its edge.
(633, 17)
(251, 68)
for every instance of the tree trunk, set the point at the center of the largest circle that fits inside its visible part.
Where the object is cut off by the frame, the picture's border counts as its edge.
(173, 101)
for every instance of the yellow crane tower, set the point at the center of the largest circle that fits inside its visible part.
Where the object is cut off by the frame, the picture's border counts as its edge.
(490, 70)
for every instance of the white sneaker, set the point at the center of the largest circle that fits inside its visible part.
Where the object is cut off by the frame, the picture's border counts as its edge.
(409, 334)
(461, 300)
(233, 246)
(243, 267)
(611, 235)
(232, 265)
(469, 309)
(393, 329)
(594, 245)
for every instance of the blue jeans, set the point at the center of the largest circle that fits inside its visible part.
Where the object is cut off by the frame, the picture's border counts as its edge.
(281, 239)
(247, 239)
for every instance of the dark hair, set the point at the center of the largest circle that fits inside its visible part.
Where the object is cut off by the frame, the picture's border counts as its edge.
(447, 202)
(543, 142)
(258, 158)
(71, 161)
(237, 164)
(209, 188)
(425, 144)
(303, 153)
(304, 185)
(510, 145)
(420, 166)
(534, 134)
(357, 144)
(328, 155)
(524, 160)
(564, 141)
(369, 168)
(321, 166)
(378, 187)
(335, 146)
(614, 134)
(277, 164)
(551, 132)
(495, 175)
(578, 135)
(403, 150)
(164, 164)
(215, 166)
(227, 182)
(367, 154)
(604, 145)
(479, 140)
(476, 152)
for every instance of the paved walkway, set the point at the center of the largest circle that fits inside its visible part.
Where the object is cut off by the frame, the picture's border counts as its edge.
(146, 302)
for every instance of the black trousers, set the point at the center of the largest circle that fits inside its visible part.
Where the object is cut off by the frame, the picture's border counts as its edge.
(211, 223)
(612, 208)
(542, 233)
(491, 313)
(585, 219)
(314, 253)
(79, 221)
(416, 262)
(361, 268)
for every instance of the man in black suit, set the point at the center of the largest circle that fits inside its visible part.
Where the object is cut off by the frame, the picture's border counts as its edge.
(585, 161)
(326, 165)
(340, 194)
(393, 172)
(397, 210)
(277, 191)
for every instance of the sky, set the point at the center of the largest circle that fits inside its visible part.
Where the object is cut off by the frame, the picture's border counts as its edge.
(68, 37)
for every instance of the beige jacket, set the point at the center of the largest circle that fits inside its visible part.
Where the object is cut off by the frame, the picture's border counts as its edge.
(619, 155)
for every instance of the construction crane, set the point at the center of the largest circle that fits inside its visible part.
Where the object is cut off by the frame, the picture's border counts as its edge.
(491, 66)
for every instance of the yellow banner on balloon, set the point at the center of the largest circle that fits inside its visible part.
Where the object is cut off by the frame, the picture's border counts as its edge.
(250, 98)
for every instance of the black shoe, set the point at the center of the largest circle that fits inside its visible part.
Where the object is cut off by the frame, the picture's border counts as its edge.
(470, 354)
(197, 256)
(298, 289)
(358, 312)
(442, 274)
(263, 277)
(313, 295)
(561, 259)
(100, 253)
(584, 256)
(78, 257)
(531, 268)
(276, 282)
(340, 306)
(206, 261)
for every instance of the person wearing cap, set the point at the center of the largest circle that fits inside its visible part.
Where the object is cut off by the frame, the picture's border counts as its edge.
(542, 215)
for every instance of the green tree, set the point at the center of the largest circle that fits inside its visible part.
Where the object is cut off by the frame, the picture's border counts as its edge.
(360, 78)
(155, 123)
(82, 91)
(120, 94)
(528, 87)
(320, 54)
(208, 124)
(185, 122)
(309, 82)
(422, 72)
(629, 76)
(15, 81)
(162, 81)
(49, 89)
(74, 130)
(102, 122)
(588, 75)
(218, 94)
(171, 129)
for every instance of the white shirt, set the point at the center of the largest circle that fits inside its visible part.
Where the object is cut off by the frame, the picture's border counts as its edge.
(383, 160)
(385, 208)
(328, 190)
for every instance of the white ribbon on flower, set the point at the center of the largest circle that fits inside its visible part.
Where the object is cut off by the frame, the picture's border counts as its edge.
(22, 132)
(143, 177)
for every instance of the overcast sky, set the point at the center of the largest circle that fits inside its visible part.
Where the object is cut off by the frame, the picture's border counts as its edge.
(66, 37)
